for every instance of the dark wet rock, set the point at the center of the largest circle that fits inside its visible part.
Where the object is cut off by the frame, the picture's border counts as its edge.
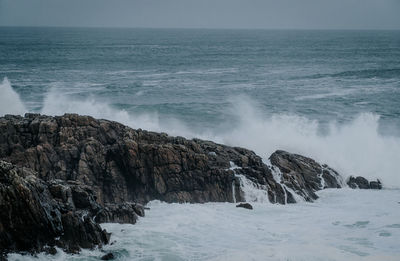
(122, 165)
(120, 213)
(304, 175)
(119, 164)
(363, 183)
(36, 215)
(245, 205)
(358, 182)
(375, 184)
(109, 256)
(50, 250)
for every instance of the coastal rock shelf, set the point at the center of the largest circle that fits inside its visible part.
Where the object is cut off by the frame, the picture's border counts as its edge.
(73, 171)
(122, 164)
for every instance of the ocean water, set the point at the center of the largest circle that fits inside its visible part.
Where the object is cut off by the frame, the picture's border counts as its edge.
(342, 225)
(330, 95)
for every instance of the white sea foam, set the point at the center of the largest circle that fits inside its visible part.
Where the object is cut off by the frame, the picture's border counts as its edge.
(58, 104)
(342, 225)
(353, 148)
(325, 95)
(10, 103)
(252, 192)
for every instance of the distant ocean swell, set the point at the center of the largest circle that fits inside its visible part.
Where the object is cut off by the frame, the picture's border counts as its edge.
(354, 148)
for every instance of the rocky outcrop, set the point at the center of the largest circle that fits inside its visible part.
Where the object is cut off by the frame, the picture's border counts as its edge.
(120, 213)
(125, 165)
(363, 183)
(304, 175)
(70, 172)
(36, 215)
(121, 164)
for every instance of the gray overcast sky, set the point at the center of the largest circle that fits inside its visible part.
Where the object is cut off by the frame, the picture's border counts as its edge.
(279, 14)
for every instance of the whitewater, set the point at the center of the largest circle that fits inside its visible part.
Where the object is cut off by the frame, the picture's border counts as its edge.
(342, 225)
(333, 96)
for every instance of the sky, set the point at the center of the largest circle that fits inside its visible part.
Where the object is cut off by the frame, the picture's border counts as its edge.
(266, 14)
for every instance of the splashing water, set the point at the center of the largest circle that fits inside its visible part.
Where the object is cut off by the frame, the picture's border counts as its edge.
(342, 225)
(10, 103)
(253, 192)
(353, 148)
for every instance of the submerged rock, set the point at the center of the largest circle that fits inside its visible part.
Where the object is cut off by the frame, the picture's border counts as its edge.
(245, 205)
(109, 256)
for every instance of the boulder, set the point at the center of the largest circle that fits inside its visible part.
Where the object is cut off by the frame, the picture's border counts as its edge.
(375, 184)
(304, 175)
(109, 256)
(245, 205)
(363, 183)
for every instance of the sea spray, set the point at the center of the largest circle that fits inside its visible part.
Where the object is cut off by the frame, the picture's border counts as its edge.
(10, 102)
(253, 192)
(352, 148)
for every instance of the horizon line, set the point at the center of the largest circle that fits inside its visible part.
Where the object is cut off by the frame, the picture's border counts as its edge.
(199, 28)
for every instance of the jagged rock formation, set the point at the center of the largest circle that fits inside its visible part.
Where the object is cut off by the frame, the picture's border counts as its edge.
(73, 171)
(304, 175)
(121, 164)
(35, 214)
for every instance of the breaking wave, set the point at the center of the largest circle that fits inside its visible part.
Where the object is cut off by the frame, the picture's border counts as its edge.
(353, 148)
(10, 103)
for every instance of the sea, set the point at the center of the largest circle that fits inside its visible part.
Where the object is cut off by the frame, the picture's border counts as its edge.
(330, 95)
